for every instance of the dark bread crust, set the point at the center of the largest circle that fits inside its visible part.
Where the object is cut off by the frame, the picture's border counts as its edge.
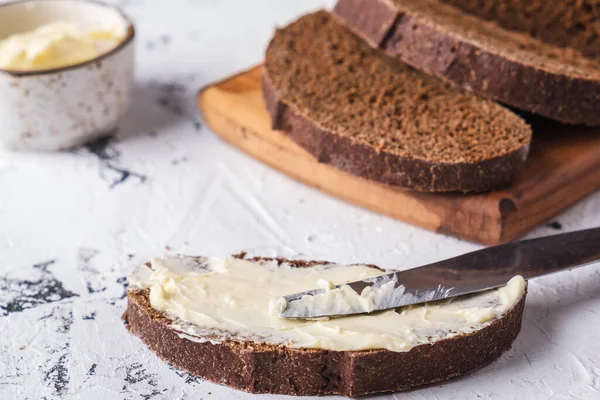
(562, 97)
(388, 168)
(262, 368)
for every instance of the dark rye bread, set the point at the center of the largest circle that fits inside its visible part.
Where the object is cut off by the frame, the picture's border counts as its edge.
(564, 23)
(262, 368)
(542, 56)
(360, 111)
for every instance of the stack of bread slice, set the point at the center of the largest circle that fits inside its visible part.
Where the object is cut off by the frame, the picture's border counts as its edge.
(416, 93)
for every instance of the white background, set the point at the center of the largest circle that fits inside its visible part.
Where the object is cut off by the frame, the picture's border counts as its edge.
(189, 192)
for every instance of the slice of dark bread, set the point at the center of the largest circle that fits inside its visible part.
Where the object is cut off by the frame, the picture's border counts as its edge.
(564, 23)
(539, 56)
(264, 368)
(360, 111)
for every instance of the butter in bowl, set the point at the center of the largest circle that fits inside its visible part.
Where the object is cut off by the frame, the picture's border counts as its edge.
(66, 72)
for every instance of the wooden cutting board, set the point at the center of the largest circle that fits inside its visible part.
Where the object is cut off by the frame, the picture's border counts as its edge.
(563, 167)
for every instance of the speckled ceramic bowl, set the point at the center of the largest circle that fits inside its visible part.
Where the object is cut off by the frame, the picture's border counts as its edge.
(64, 107)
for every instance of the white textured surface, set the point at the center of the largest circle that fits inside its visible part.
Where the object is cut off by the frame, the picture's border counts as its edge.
(171, 186)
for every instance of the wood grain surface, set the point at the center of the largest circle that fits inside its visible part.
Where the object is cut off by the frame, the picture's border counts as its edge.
(563, 167)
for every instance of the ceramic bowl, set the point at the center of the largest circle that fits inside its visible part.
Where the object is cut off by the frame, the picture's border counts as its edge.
(64, 107)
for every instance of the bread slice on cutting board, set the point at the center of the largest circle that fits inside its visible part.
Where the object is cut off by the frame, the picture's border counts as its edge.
(360, 111)
(211, 317)
(539, 56)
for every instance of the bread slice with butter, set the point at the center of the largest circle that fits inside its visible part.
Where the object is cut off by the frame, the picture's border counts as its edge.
(211, 317)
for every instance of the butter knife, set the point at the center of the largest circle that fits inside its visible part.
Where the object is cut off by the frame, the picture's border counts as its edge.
(469, 273)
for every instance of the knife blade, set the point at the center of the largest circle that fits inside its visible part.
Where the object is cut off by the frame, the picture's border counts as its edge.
(474, 272)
